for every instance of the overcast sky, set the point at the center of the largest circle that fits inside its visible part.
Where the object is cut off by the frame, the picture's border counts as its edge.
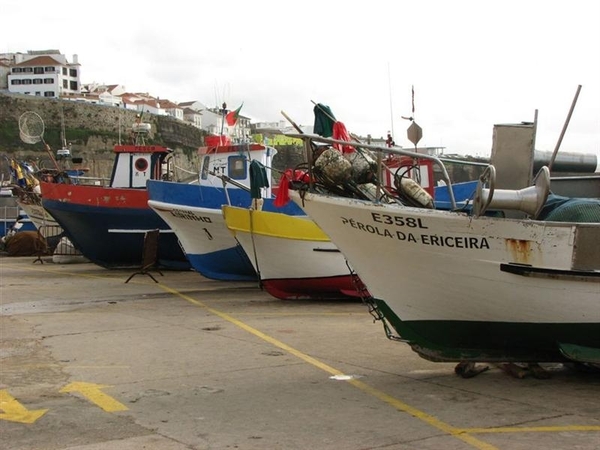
(473, 64)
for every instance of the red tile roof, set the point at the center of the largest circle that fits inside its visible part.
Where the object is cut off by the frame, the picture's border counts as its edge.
(40, 61)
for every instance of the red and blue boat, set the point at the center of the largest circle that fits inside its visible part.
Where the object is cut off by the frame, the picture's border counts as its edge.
(108, 223)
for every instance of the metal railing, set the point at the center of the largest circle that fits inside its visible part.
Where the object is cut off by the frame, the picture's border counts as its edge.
(379, 152)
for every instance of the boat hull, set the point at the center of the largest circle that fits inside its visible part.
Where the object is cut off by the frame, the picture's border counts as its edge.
(194, 213)
(465, 288)
(293, 257)
(210, 247)
(42, 220)
(107, 225)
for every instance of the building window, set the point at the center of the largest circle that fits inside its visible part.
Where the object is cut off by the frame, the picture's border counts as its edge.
(38, 94)
(38, 70)
(37, 81)
(65, 84)
(49, 94)
(28, 69)
(49, 69)
(16, 70)
(73, 73)
(48, 80)
(15, 82)
(64, 70)
(28, 81)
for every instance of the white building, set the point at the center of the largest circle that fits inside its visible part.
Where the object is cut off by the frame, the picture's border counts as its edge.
(47, 73)
(102, 94)
(4, 71)
(172, 109)
(192, 117)
(213, 121)
(193, 105)
(44, 73)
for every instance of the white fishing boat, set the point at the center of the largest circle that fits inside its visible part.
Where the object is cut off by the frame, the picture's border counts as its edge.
(30, 201)
(292, 256)
(513, 276)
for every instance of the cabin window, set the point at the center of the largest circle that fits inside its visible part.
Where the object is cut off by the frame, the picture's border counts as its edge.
(237, 167)
(205, 167)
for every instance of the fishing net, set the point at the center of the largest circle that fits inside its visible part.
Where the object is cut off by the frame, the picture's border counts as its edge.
(31, 127)
(579, 210)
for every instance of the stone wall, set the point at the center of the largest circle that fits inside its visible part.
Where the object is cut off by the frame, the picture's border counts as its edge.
(91, 131)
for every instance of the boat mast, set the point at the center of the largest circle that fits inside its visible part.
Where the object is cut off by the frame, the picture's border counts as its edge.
(391, 109)
(223, 113)
(63, 137)
(566, 124)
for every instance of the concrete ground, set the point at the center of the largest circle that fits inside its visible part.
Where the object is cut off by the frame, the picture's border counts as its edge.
(89, 362)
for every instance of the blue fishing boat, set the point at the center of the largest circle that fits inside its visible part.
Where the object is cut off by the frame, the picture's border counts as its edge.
(228, 175)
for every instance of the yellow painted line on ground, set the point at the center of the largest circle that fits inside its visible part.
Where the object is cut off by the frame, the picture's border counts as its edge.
(92, 392)
(401, 406)
(553, 429)
(463, 434)
(308, 314)
(15, 411)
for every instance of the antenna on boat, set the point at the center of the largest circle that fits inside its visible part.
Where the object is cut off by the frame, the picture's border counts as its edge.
(120, 115)
(412, 116)
(223, 113)
(139, 130)
(63, 137)
(414, 132)
(391, 109)
(562, 134)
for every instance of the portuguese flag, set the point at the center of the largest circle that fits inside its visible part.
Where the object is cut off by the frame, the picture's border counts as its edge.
(232, 116)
